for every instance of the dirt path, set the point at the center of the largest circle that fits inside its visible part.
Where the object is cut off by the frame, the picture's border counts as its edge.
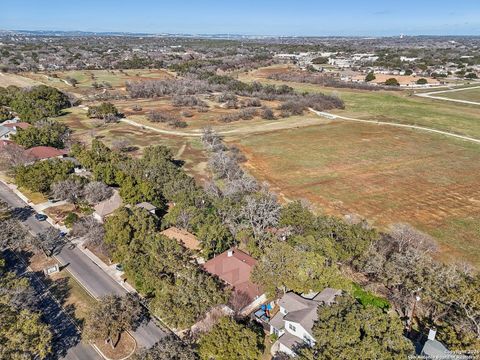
(431, 95)
(446, 133)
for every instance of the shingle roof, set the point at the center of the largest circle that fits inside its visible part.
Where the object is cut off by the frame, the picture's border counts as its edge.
(45, 152)
(146, 205)
(188, 240)
(235, 270)
(108, 206)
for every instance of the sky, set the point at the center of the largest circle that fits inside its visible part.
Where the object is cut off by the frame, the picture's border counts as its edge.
(260, 17)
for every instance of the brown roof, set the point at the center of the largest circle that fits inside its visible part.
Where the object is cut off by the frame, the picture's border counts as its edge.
(45, 152)
(188, 240)
(108, 206)
(235, 270)
(21, 125)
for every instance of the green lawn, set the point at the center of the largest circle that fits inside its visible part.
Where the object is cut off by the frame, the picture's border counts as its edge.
(398, 106)
(468, 94)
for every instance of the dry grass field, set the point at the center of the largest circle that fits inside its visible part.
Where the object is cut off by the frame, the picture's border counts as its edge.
(16, 80)
(384, 174)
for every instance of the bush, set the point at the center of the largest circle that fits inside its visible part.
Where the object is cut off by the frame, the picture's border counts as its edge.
(188, 100)
(137, 108)
(106, 111)
(5, 114)
(370, 77)
(422, 81)
(267, 114)
(367, 298)
(392, 82)
(177, 123)
(70, 219)
(157, 116)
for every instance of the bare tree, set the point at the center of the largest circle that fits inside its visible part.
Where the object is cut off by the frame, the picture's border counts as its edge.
(97, 191)
(70, 190)
(91, 230)
(238, 301)
(48, 241)
(12, 155)
(261, 211)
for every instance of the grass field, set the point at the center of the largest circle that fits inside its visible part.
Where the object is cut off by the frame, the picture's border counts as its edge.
(16, 80)
(467, 94)
(386, 175)
(185, 149)
(394, 106)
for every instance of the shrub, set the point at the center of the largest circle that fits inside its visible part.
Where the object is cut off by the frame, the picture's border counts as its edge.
(392, 82)
(422, 81)
(70, 219)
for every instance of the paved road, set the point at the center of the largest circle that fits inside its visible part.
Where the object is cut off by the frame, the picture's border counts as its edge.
(85, 271)
(66, 342)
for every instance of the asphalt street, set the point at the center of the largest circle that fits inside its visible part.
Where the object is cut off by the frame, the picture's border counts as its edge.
(84, 270)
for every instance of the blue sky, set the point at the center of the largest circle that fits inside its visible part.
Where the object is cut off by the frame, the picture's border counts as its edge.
(260, 17)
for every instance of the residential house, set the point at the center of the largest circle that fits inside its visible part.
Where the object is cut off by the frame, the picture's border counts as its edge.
(235, 267)
(434, 349)
(294, 322)
(147, 206)
(188, 240)
(10, 127)
(107, 207)
(45, 152)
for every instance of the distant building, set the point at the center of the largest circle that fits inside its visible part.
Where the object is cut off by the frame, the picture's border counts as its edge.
(147, 206)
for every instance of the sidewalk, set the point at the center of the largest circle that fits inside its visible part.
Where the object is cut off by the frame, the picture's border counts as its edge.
(39, 208)
(110, 270)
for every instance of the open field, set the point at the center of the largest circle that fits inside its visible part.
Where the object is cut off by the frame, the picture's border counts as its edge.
(386, 175)
(7, 79)
(185, 149)
(86, 78)
(466, 94)
(394, 106)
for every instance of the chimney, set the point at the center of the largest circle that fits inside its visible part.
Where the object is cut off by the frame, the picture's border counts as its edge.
(230, 253)
(431, 334)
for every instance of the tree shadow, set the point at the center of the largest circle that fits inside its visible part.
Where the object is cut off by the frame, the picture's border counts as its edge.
(22, 213)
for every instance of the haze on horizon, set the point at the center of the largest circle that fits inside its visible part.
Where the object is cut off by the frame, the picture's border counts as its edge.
(261, 17)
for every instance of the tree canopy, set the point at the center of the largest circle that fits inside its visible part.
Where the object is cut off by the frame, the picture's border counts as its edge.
(43, 133)
(230, 340)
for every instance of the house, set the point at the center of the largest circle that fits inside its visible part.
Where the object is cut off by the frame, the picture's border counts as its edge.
(188, 240)
(6, 132)
(7, 129)
(294, 322)
(235, 267)
(45, 152)
(434, 349)
(147, 206)
(107, 207)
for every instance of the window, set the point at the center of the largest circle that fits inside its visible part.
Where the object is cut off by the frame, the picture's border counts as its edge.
(291, 327)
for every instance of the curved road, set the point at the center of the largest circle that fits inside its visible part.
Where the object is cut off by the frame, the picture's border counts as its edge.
(431, 95)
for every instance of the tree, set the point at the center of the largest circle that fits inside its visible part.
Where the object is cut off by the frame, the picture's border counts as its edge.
(230, 340)
(40, 175)
(70, 190)
(392, 82)
(283, 267)
(5, 114)
(261, 211)
(214, 236)
(348, 330)
(105, 111)
(168, 348)
(111, 316)
(97, 191)
(12, 156)
(43, 133)
(370, 77)
(422, 81)
(48, 241)
(91, 230)
(38, 103)
(23, 335)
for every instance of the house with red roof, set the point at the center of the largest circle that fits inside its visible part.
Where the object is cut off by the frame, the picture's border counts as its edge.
(45, 152)
(235, 267)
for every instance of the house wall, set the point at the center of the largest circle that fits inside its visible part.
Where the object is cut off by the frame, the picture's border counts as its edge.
(286, 350)
(299, 331)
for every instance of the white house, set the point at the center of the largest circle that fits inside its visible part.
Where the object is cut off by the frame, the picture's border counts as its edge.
(294, 322)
